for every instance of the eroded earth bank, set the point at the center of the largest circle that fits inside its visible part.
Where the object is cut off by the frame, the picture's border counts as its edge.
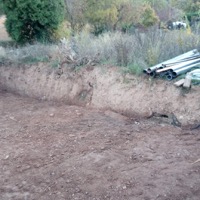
(105, 88)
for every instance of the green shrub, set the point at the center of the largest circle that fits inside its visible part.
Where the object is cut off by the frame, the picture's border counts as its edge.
(29, 21)
(135, 69)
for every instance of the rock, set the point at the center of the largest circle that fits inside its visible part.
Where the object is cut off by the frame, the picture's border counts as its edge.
(124, 187)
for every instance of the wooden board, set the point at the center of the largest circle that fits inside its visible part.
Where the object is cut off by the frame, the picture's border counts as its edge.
(179, 83)
(187, 83)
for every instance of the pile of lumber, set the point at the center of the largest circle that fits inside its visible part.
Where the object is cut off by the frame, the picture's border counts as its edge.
(194, 75)
(185, 82)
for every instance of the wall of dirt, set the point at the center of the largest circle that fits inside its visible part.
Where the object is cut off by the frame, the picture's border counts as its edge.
(104, 88)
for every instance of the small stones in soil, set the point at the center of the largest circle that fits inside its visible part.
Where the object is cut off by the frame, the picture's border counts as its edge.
(78, 113)
(51, 114)
(7, 156)
(124, 187)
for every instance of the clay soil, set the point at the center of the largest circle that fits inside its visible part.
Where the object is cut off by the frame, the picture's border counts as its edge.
(51, 151)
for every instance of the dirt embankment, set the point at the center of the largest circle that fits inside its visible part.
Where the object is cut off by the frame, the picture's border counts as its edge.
(104, 88)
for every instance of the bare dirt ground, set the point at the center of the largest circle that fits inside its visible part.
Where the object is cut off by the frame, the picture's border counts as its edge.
(50, 151)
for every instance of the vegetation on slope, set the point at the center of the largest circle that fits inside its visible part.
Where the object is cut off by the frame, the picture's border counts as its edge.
(128, 33)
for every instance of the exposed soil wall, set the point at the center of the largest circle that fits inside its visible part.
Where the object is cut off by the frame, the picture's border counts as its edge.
(105, 88)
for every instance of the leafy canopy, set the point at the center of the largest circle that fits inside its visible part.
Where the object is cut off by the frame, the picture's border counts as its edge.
(112, 14)
(1, 7)
(30, 21)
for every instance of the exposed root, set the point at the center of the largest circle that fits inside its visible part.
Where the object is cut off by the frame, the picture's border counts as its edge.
(196, 161)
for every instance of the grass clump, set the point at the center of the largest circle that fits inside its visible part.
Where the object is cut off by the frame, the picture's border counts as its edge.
(135, 69)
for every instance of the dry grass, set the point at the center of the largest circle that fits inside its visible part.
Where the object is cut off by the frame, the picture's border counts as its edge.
(134, 52)
(142, 49)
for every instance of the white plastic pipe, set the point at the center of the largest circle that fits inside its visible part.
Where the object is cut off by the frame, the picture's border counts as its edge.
(178, 66)
(177, 72)
(182, 56)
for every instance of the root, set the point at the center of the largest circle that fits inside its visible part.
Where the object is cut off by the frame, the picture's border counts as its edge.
(196, 161)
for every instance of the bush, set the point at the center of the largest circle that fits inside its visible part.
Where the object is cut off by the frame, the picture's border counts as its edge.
(132, 53)
(30, 21)
(28, 54)
(140, 49)
(134, 69)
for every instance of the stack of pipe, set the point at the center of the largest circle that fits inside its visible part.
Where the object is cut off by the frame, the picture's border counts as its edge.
(174, 67)
(194, 75)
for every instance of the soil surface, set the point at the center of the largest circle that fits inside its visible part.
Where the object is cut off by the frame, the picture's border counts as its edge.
(51, 151)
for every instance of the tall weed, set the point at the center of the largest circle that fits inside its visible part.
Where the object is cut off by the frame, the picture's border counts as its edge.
(132, 51)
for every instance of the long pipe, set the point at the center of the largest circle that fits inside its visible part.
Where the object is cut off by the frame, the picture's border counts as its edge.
(182, 56)
(178, 66)
(194, 74)
(169, 76)
(164, 74)
(182, 60)
(185, 69)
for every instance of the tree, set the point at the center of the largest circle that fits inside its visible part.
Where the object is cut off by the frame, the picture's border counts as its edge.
(102, 15)
(158, 4)
(190, 7)
(75, 14)
(1, 7)
(30, 21)
(134, 13)
(129, 14)
(109, 15)
(148, 16)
